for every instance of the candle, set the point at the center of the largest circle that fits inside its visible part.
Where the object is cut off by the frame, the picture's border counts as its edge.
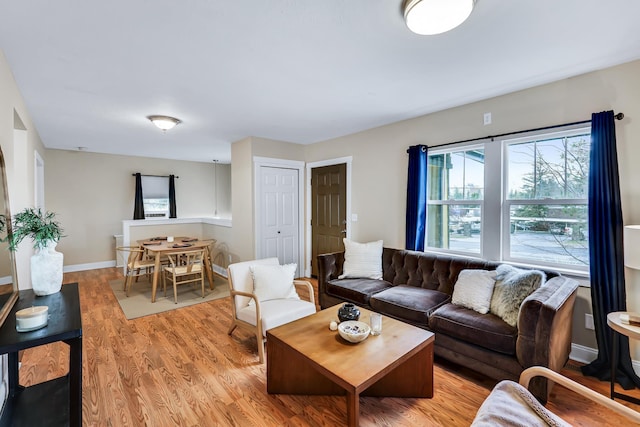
(32, 318)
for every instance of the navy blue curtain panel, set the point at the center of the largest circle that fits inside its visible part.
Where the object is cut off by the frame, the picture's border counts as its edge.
(138, 207)
(416, 198)
(172, 196)
(606, 258)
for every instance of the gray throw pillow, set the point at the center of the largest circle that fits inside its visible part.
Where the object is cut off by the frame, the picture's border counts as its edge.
(512, 286)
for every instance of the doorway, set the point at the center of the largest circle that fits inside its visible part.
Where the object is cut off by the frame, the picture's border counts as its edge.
(279, 211)
(330, 208)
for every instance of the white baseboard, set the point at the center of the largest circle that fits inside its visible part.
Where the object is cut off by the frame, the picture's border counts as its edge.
(89, 266)
(583, 354)
(107, 264)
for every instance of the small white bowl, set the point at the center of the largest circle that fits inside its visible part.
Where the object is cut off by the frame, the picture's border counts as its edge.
(354, 331)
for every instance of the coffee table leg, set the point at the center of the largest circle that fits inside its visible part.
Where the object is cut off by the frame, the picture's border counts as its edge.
(353, 409)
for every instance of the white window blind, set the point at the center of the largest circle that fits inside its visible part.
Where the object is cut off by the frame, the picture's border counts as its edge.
(155, 187)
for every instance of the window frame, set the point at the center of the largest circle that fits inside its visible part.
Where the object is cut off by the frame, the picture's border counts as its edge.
(455, 202)
(496, 206)
(507, 202)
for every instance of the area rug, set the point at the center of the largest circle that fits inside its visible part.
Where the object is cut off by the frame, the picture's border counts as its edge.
(139, 304)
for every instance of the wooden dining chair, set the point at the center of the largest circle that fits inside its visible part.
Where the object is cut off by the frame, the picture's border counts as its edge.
(184, 267)
(208, 253)
(137, 265)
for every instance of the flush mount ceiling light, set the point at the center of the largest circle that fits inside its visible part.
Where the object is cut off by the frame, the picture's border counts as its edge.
(164, 122)
(429, 17)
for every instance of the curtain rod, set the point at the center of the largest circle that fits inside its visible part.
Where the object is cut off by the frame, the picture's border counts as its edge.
(618, 116)
(158, 176)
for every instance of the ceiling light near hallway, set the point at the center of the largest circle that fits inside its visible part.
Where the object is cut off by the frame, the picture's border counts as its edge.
(164, 122)
(429, 17)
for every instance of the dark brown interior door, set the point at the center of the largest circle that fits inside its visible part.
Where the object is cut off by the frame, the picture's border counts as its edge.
(328, 211)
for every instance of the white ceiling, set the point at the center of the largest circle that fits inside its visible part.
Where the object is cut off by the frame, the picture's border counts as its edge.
(294, 70)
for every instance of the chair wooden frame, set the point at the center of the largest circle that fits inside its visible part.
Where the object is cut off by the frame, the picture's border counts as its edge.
(184, 267)
(534, 371)
(136, 265)
(257, 328)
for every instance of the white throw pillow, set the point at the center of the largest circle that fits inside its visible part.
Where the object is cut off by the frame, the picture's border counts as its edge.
(273, 282)
(474, 289)
(362, 260)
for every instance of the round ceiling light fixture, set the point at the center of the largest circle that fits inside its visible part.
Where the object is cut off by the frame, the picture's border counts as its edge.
(430, 17)
(164, 122)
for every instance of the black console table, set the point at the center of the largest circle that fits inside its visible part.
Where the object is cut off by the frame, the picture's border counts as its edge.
(56, 402)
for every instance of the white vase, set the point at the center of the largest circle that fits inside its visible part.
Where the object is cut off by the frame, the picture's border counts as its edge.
(46, 270)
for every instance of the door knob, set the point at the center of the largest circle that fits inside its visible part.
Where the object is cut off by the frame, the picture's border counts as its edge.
(344, 231)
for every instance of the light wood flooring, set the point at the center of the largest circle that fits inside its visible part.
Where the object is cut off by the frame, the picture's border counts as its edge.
(180, 368)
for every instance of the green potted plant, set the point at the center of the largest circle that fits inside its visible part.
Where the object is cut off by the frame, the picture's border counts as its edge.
(45, 232)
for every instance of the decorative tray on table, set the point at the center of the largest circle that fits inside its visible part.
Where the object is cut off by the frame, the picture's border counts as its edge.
(181, 245)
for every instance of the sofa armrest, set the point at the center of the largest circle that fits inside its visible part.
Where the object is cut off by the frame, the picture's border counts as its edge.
(544, 329)
(329, 268)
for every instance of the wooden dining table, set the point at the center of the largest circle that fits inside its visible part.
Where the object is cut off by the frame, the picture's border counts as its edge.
(157, 246)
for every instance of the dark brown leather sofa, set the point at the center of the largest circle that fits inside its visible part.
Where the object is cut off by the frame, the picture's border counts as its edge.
(417, 287)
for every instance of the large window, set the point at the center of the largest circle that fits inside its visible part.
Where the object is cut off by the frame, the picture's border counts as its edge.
(522, 200)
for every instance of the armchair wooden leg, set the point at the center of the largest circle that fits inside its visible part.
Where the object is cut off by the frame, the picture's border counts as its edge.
(260, 340)
(232, 328)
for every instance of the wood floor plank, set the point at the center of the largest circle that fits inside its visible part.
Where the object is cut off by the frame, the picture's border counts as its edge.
(180, 368)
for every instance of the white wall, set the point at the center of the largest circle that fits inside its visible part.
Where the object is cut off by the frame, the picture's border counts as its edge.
(18, 140)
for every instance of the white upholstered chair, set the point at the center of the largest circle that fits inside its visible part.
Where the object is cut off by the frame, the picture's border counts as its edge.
(511, 404)
(260, 316)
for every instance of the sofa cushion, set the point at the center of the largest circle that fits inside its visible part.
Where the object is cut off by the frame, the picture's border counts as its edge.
(408, 302)
(485, 330)
(356, 290)
(474, 289)
(512, 286)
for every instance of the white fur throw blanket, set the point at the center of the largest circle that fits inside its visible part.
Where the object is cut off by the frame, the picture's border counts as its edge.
(510, 404)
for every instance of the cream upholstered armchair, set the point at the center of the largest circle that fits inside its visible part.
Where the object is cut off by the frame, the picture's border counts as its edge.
(263, 297)
(511, 404)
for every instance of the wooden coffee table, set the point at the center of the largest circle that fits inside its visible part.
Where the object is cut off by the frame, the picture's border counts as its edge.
(305, 357)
